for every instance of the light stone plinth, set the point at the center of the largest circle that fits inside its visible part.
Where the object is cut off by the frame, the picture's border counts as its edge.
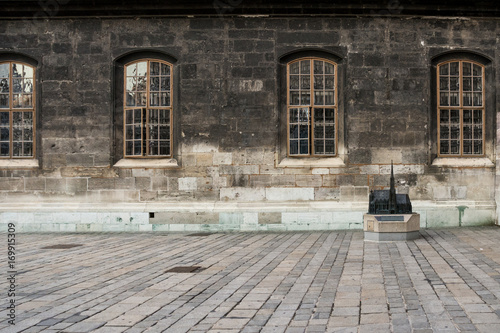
(391, 227)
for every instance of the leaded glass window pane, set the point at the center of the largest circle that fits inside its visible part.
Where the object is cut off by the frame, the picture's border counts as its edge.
(148, 120)
(311, 85)
(17, 89)
(324, 131)
(460, 92)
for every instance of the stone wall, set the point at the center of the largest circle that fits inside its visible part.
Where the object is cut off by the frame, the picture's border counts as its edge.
(230, 173)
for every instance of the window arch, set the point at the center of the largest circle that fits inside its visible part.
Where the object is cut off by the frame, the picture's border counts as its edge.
(460, 108)
(147, 108)
(312, 107)
(17, 110)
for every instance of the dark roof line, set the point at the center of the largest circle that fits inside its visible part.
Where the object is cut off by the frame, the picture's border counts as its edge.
(18, 9)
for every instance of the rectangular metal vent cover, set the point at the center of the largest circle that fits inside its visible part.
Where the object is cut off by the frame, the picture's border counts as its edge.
(185, 269)
(61, 246)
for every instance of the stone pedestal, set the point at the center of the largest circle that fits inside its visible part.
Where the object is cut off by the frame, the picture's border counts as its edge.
(391, 227)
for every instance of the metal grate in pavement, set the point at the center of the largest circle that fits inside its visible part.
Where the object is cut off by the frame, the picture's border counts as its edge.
(61, 246)
(201, 234)
(185, 269)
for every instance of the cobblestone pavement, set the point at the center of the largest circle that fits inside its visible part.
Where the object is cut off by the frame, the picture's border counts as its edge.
(447, 281)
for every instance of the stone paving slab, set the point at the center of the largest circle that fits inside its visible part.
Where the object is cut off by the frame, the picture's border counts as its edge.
(446, 281)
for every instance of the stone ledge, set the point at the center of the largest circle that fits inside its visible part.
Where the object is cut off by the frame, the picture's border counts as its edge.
(149, 163)
(313, 162)
(463, 162)
(19, 163)
(419, 206)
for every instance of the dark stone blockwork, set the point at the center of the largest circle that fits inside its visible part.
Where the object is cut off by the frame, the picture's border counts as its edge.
(229, 104)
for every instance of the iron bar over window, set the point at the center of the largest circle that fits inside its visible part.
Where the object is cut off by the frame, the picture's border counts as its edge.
(17, 110)
(148, 109)
(461, 110)
(312, 107)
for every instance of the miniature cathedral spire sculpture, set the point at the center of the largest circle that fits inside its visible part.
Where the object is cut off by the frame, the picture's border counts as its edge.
(392, 193)
(388, 202)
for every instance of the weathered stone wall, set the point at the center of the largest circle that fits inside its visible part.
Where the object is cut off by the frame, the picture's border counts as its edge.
(227, 106)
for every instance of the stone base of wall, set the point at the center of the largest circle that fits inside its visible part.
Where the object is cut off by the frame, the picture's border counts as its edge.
(227, 216)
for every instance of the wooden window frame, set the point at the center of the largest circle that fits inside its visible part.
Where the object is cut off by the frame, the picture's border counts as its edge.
(145, 110)
(461, 107)
(312, 106)
(11, 110)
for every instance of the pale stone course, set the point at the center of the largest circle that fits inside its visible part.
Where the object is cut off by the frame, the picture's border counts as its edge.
(289, 194)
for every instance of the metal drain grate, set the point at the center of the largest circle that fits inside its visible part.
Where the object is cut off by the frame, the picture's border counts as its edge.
(185, 269)
(61, 246)
(200, 234)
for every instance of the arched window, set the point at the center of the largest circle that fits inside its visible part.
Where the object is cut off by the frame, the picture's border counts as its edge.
(147, 108)
(17, 110)
(461, 108)
(312, 107)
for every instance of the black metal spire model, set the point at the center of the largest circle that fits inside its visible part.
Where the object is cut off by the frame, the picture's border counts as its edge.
(387, 201)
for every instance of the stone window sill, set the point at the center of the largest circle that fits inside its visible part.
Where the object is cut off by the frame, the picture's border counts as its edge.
(147, 163)
(330, 162)
(19, 164)
(463, 162)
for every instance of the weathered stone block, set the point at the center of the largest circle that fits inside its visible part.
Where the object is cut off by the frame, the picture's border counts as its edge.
(385, 156)
(320, 171)
(402, 169)
(80, 160)
(231, 219)
(101, 184)
(250, 219)
(145, 196)
(360, 156)
(222, 158)
(330, 180)
(125, 183)
(307, 37)
(204, 159)
(243, 45)
(55, 185)
(242, 194)
(369, 169)
(159, 183)
(270, 170)
(238, 180)
(142, 183)
(54, 160)
(74, 185)
(261, 180)
(188, 184)
(34, 184)
(297, 171)
(441, 192)
(269, 218)
(118, 196)
(11, 184)
(240, 169)
(347, 193)
(206, 218)
(283, 180)
(327, 194)
(308, 180)
(289, 194)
